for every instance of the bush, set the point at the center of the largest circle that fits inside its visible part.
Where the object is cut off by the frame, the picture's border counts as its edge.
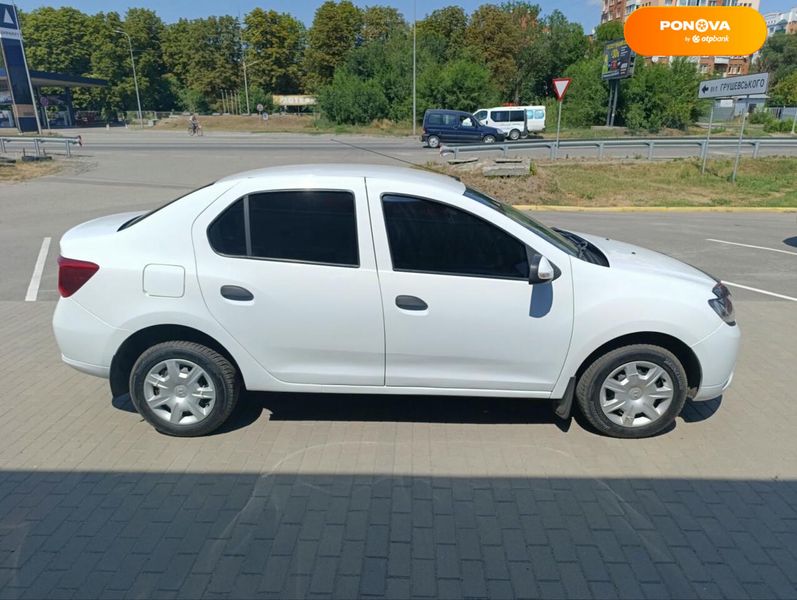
(350, 100)
(760, 117)
(778, 126)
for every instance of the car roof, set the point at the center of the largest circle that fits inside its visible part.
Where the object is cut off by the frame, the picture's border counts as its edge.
(369, 171)
(446, 110)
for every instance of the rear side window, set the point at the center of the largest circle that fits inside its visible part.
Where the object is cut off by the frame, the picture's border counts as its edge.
(305, 226)
(516, 115)
(434, 119)
(500, 116)
(431, 237)
(539, 114)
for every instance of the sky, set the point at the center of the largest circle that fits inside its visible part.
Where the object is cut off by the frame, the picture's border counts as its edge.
(586, 12)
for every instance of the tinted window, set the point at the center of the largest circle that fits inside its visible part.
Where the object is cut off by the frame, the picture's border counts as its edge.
(309, 226)
(516, 115)
(499, 116)
(431, 237)
(434, 119)
(227, 234)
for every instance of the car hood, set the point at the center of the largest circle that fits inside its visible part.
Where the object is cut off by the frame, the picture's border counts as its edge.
(629, 257)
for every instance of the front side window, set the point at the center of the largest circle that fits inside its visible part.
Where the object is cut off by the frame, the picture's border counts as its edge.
(481, 115)
(431, 237)
(311, 226)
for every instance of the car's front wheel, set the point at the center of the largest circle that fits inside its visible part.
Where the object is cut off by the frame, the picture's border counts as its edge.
(633, 392)
(488, 139)
(183, 388)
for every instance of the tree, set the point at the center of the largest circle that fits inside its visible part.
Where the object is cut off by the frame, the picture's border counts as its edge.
(661, 95)
(494, 37)
(779, 56)
(331, 38)
(56, 39)
(351, 100)
(204, 56)
(380, 23)
(608, 32)
(785, 90)
(275, 50)
(442, 33)
(461, 84)
(588, 95)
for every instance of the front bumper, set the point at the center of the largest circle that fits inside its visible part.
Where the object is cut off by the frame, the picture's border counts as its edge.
(717, 355)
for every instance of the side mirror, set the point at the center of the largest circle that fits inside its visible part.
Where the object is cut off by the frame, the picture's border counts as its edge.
(541, 270)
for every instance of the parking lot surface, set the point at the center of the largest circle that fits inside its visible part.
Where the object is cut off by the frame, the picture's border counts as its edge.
(362, 496)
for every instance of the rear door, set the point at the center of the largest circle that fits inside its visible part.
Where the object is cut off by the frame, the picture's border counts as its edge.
(288, 270)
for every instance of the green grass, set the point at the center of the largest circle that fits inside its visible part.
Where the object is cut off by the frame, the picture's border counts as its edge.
(764, 182)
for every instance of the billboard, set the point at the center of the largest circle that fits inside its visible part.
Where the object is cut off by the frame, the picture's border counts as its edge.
(618, 60)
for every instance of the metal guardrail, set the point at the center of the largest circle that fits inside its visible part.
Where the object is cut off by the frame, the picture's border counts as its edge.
(38, 143)
(601, 145)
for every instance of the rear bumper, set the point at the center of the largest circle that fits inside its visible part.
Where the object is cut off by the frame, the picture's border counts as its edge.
(717, 355)
(86, 342)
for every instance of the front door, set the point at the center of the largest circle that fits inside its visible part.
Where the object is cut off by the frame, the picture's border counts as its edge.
(290, 274)
(459, 311)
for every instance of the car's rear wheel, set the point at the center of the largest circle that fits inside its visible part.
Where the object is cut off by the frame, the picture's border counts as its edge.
(488, 139)
(514, 135)
(633, 392)
(183, 388)
(433, 141)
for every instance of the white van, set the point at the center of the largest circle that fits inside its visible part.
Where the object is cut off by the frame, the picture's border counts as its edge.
(514, 121)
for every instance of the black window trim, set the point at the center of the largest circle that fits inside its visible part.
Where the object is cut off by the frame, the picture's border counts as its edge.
(529, 250)
(248, 233)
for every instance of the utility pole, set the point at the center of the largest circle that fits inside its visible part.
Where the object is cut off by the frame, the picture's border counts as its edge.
(414, 27)
(135, 77)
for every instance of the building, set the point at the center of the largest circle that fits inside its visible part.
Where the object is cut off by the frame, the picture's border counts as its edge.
(781, 22)
(707, 65)
(57, 102)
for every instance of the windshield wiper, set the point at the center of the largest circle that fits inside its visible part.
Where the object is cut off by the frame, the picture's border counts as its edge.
(582, 245)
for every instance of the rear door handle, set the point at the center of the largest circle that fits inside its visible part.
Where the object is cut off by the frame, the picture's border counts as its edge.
(237, 293)
(411, 303)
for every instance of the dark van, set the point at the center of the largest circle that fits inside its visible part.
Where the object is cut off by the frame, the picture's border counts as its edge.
(456, 127)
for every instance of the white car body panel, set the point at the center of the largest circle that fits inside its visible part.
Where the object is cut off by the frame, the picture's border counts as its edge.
(335, 329)
(534, 121)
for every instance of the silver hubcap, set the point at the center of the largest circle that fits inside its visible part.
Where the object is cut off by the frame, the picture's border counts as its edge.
(636, 394)
(179, 391)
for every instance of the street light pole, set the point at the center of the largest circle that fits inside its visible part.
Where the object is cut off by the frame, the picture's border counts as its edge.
(414, 27)
(246, 83)
(135, 77)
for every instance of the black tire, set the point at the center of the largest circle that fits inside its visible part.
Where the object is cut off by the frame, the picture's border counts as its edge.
(514, 135)
(589, 388)
(488, 139)
(224, 377)
(433, 141)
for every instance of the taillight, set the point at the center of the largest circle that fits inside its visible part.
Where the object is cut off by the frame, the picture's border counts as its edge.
(72, 274)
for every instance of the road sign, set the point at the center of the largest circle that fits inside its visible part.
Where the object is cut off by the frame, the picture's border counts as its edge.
(260, 108)
(9, 27)
(560, 86)
(734, 87)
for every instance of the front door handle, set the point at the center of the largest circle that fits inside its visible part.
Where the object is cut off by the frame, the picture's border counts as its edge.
(411, 303)
(237, 293)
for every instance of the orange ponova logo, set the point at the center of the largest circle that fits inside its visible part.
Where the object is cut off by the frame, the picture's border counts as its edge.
(695, 31)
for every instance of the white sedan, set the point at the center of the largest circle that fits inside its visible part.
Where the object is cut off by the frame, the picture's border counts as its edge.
(380, 280)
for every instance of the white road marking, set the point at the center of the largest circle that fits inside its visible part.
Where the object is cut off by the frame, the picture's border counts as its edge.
(38, 270)
(752, 289)
(752, 246)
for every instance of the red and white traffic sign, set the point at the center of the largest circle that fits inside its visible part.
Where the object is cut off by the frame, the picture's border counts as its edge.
(560, 86)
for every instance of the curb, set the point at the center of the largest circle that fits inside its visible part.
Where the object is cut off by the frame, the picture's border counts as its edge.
(680, 209)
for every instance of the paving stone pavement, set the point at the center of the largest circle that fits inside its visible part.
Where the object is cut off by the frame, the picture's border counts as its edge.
(361, 496)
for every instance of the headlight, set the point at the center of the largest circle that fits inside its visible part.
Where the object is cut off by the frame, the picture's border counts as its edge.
(722, 304)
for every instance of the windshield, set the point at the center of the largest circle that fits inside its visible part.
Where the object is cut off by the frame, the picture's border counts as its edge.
(545, 232)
